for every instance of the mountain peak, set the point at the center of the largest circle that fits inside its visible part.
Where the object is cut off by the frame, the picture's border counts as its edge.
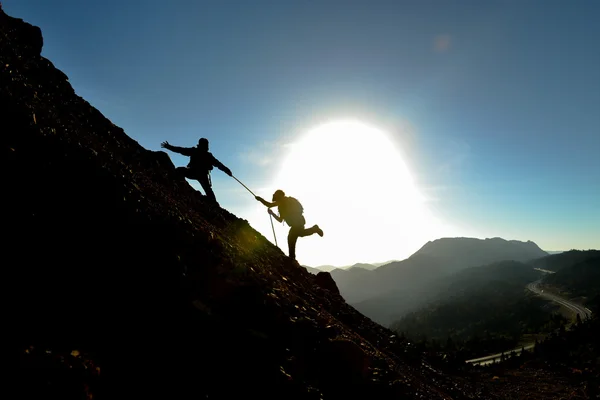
(455, 248)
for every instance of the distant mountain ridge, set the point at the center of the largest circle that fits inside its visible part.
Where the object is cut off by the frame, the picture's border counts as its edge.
(391, 290)
(367, 266)
(486, 306)
(564, 259)
(489, 300)
(478, 252)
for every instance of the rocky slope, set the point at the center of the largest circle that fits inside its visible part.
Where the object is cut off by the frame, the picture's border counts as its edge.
(115, 265)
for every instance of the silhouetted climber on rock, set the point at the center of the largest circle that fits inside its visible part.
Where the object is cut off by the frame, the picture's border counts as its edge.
(201, 163)
(290, 211)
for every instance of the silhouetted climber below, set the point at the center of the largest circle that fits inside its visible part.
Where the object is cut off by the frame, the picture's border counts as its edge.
(201, 163)
(290, 211)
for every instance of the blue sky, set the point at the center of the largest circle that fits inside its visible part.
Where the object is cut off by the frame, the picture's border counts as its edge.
(494, 106)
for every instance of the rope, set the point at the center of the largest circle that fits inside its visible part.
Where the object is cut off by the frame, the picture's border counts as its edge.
(243, 185)
(270, 216)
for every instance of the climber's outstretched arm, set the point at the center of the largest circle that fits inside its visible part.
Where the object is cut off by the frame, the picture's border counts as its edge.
(186, 151)
(220, 165)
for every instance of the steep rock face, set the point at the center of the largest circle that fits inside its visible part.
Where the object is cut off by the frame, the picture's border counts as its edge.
(325, 281)
(107, 253)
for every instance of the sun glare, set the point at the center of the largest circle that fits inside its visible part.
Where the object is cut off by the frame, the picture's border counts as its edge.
(353, 182)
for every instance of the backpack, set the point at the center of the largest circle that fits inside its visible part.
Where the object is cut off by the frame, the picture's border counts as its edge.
(294, 207)
(293, 212)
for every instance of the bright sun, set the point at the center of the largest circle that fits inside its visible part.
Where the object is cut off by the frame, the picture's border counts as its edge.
(353, 183)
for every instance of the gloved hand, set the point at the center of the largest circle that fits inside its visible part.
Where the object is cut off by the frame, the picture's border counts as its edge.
(227, 171)
(271, 212)
(259, 198)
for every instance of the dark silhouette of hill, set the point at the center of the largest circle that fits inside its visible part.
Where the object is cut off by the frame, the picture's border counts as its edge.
(326, 268)
(556, 262)
(469, 252)
(486, 309)
(369, 267)
(350, 278)
(396, 288)
(471, 279)
(488, 301)
(330, 268)
(579, 280)
(114, 264)
(379, 264)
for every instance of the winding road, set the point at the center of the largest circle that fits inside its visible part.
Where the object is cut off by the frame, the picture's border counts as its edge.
(535, 287)
(583, 312)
